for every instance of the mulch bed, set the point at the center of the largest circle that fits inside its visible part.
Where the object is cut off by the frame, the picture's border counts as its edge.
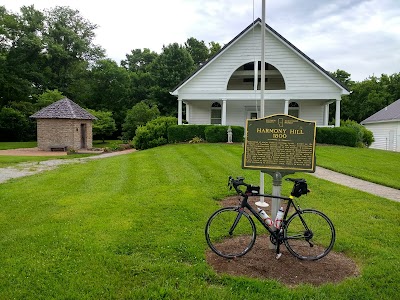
(261, 263)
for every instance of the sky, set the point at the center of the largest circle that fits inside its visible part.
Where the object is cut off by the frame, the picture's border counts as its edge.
(361, 37)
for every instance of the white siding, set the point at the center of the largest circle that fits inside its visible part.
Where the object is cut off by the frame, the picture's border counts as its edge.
(386, 135)
(299, 74)
(312, 111)
(200, 112)
(237, 111)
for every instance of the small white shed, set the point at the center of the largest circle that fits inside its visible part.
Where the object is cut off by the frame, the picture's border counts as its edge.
(385, 125)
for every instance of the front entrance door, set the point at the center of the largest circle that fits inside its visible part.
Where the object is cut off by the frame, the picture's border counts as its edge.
(83, 136)
(252, 115)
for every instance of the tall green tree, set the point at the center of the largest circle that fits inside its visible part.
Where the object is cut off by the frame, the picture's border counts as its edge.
(48, 97)
(370, 96)
(104, 126)
(169, 69)
(14, 126)
(343, 77)
(21, 54)
(110, 86)
(213, 48)
(197, 49)
(69, 46)
(137, 116)
(139, 60)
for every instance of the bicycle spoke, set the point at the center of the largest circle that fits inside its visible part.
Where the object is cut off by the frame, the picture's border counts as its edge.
(230, 233)
(309, 235)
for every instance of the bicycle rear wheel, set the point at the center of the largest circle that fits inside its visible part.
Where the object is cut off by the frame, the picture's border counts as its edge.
(230, 232)
(309, 235)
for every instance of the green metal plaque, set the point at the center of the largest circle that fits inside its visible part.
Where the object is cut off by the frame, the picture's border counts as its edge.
(279, 142)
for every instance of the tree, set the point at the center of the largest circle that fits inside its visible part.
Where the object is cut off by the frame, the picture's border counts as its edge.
(14, 126)
(21, 54)
(169, 69)
(48, 97)
(104, 126)
(138, 60)
(213, 48)
(198, 50)
(343, 77)
(139, 115)
(69, 47)
(110, 89)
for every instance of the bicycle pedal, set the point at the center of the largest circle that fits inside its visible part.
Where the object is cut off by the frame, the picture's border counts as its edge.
(278, 255)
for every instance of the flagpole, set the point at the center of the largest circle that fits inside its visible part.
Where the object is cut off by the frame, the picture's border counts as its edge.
(262, 89)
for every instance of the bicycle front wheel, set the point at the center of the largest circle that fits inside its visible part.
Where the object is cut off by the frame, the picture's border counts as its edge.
(230, 232)
(309, 235)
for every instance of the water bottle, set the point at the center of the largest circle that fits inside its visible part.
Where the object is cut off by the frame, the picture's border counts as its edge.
(265, 217)
(279, 218)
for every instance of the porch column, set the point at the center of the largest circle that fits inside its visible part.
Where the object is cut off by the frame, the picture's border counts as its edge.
(223, 116)
(179, 111)
(187, 112)
(337, 113)
(286, 110)
(326, 114)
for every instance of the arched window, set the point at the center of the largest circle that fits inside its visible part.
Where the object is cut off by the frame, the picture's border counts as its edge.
(243, 78)
(216, 114)
(294, 109)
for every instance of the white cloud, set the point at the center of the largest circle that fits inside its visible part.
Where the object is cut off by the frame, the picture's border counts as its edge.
(358, 36)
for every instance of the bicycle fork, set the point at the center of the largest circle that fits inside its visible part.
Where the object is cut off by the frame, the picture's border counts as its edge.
(239, 215)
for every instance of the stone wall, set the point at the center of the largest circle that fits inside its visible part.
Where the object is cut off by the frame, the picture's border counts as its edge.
(63, 133)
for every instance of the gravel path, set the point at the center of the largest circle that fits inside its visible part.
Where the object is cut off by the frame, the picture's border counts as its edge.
(31, 168)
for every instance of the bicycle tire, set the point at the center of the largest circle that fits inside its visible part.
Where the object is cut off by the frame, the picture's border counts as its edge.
(234, 244)
(313, 243)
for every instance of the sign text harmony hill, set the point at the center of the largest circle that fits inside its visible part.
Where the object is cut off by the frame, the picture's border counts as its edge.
(280, 142)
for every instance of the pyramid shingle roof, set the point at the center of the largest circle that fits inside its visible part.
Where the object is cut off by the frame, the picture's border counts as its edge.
(389, 113)
(63, 109)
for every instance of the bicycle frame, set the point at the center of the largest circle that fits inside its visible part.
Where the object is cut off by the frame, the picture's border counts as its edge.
(275, 233)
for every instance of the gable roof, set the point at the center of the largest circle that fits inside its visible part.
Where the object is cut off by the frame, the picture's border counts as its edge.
(277, 35)
(389, 113)
(63, 109)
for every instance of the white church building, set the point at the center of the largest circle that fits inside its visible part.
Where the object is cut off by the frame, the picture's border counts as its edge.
(226, 89)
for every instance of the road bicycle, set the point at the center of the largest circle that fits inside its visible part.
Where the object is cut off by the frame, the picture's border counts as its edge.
(308, 234)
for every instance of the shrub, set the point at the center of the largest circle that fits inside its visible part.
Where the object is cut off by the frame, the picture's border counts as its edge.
(344, 136)
(154, 133)
(364, 136)
(14, 126)
(184, 133)
(218, 134)
(104, 126)
(139, 115)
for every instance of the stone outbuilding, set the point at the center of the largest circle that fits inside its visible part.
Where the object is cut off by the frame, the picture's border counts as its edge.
(64, 125)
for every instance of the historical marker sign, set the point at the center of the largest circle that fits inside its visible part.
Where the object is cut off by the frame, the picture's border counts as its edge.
(280, 142)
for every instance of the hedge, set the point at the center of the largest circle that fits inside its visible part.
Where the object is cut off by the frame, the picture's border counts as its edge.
(184, 133)
(210, 133)
(219, 134)
(344, 136)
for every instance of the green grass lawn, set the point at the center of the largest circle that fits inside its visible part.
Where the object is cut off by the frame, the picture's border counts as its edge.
(16, 145)
(373, 165)
(132, 227)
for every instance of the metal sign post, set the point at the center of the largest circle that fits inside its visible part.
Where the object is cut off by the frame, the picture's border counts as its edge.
(279, 145)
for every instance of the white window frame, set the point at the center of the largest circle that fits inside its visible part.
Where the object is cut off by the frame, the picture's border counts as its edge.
(216, 107)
